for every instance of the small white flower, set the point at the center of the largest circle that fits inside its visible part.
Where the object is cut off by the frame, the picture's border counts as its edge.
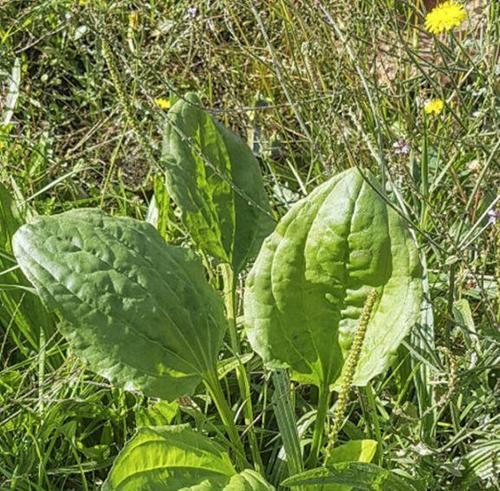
(401, 147)
(492, 216)
(474, 166)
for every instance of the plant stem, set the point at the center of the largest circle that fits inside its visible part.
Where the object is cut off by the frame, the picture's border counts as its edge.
(319, 427)
(214, 388)
(229, 279)
(372, 416)
(424, 177)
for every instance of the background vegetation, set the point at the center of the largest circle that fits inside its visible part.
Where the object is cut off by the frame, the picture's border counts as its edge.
(315, 88)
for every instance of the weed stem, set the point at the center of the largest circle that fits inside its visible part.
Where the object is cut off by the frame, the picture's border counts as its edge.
(214, 388)
(229, 279)
(319, 427)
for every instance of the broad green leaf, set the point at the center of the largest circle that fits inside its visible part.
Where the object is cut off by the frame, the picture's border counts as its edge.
(169, 457)
(359, 475)
(353, 451)
(307, 288)
(16, 303)
(159, 414)
(139, 311)
(247, 480)
(176, 457)
(215, 181)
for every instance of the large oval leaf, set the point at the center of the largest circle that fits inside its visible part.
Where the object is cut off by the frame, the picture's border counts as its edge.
(176, 457)
(312, 276)
(215, 180)
(138, 310)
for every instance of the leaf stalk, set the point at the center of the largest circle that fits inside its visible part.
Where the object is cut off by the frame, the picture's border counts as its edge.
(230, 297)
(319, 427)
(214, 388)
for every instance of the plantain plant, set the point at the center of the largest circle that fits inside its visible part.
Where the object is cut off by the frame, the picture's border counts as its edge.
(334, 290)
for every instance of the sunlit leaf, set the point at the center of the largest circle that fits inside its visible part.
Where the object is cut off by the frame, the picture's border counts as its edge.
(215, 180)
(307, 288)
(361, 476)
(177, 458)
(139, 311)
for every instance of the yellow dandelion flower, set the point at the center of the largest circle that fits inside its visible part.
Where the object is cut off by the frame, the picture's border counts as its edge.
(445, 17)
(162, 103)
(434, 106)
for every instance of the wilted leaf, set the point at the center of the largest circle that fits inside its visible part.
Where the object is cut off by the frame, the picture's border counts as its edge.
(13, 92)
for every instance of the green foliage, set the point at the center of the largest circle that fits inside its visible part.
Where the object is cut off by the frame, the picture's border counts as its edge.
(175, 457)
(215, 180)
(481, 464)
(29, 318)
(353, 451)
(285, 418)
(10, 219)
(109, 278)
(316, 89)
(160, 413)
(368, 477)
(307, 288)
(139, 311)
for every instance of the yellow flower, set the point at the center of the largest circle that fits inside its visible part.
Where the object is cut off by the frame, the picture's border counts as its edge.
(162, 103)
(434, 106)
(445, 17)
(133, 20)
